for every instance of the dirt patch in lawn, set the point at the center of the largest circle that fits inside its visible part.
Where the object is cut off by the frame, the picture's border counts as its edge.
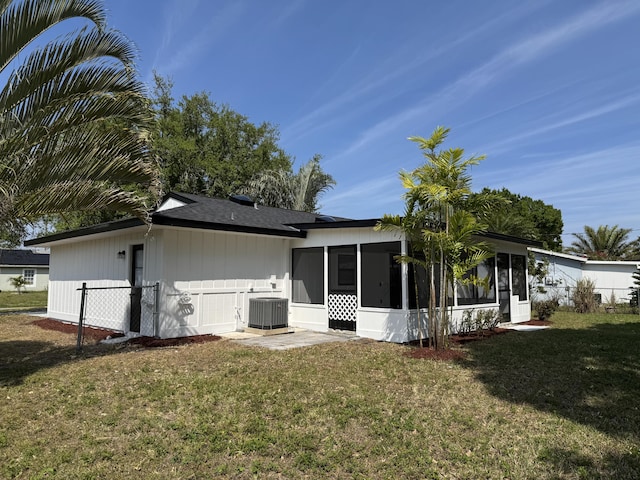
(99, 334)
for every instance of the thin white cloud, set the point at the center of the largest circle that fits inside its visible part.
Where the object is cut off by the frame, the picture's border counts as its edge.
(603, 109)
(388, 72)
(368, 197)
(194, 43)
(590, 188)
(525, 51)
(286, 13)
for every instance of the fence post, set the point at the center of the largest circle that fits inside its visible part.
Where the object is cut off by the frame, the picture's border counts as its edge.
(156, 295)
(81, 318)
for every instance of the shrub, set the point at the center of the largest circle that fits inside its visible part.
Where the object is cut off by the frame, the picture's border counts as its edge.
(487, 319)
(473, 321)
(584, 298)
(18, 283)
(546, 308)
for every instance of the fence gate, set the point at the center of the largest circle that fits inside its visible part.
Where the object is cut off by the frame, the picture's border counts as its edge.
(121, 309)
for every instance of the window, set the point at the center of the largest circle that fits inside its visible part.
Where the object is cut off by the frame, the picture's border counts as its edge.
(469, 294)
(307, 275)
(29, 276)
(381, 275)
(519, 276)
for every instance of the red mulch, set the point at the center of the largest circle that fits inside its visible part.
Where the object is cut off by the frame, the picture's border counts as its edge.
(99, 334)
(96, 334)
(454, 352)
(152, 342)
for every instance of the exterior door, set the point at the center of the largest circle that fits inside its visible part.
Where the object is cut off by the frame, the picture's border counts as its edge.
(343, 294)
(504, 287)
(137, 259)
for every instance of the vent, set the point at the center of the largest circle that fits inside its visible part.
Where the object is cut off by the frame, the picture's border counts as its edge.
(242, 200)
(268, 313)
(325, 219)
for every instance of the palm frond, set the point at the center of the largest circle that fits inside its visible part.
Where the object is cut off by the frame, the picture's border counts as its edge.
(75, 120)
(22, 22)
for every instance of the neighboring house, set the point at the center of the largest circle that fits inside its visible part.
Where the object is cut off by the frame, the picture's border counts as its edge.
(564, 271)
(34, 268)
(210, 259)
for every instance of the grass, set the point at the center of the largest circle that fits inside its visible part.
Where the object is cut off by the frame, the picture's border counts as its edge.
(25, 299)
(559, 403)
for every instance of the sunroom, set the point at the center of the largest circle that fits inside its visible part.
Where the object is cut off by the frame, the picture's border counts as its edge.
(348, 279)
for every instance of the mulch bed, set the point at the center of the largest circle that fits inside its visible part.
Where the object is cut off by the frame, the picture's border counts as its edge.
(95, 334)
(152, 342)
(99, 334)
(454, 352)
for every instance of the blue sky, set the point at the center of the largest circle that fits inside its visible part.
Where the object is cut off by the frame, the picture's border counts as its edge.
(548, 90)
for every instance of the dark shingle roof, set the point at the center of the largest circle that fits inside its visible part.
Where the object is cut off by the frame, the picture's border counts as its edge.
(227, 215)
(222, 214)
(23, 258)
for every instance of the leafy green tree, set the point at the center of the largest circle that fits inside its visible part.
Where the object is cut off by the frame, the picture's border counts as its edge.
(296, 191)
(75, 120)
(210, 149)
(605, 243)
(524, 217)
(441, 221)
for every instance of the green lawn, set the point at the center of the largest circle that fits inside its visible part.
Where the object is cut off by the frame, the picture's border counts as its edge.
(561, 403)
(23, 300)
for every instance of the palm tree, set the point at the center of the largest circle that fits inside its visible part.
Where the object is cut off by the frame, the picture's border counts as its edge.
(74, 119)
(300, 191)
(605, 243)
(440, 222)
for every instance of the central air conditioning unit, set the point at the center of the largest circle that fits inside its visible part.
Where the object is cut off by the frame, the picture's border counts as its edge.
(268, 313)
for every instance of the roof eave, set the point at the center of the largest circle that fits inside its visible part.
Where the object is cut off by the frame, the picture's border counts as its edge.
(83, 232)
(224, 227)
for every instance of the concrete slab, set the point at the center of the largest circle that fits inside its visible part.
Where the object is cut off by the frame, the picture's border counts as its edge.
(295, 339)
(525, 328)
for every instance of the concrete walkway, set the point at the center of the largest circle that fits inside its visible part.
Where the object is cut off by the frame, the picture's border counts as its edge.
(295, 339)
(524, 328)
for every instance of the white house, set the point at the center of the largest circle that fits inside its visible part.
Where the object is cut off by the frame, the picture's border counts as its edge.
(204, 262)
(564, 271)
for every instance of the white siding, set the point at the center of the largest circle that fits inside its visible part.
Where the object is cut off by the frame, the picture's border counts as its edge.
(566, 270)
(209, 278)
(376, 323)
(96, 262)
(611, 277)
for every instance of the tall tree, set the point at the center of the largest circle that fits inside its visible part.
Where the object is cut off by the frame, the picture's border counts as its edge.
(75, 119)
(605, 243)
(296, 191)
(441, 221)
(524, 217)
(210, 149)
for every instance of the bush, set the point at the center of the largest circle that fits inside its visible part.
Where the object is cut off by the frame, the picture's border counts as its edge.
(546, 308)
(482, 320)
(584, 298)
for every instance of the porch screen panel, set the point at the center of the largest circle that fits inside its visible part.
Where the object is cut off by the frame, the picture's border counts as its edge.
(519, 276)
(381, 275)
(483, 293)
(307, 275)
